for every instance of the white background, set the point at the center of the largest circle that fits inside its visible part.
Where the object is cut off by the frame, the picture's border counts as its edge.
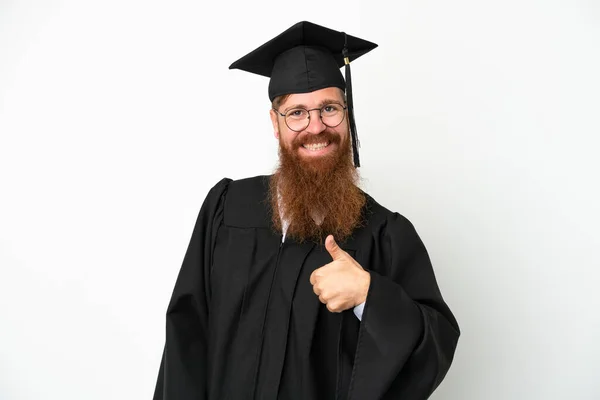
(478, 120)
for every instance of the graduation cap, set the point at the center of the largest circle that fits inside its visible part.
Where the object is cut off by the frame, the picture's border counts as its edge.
(305, 58)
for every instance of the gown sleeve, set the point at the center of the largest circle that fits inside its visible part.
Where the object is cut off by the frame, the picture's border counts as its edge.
(407, 335)
(182, 373)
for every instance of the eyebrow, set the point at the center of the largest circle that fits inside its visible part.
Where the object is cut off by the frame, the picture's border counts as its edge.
(321, 104)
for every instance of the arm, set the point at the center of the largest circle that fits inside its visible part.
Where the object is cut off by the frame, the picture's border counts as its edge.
(182, 373)
(408, 335)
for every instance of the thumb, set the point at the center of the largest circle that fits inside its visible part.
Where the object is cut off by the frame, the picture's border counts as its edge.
(334, 250)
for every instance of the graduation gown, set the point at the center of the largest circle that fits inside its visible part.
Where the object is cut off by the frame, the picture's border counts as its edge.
(243, 321)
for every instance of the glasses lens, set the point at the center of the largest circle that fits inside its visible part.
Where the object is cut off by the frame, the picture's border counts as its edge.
(297, 119)
(332, 115)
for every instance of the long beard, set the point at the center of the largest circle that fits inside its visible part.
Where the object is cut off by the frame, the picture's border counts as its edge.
(323, 190)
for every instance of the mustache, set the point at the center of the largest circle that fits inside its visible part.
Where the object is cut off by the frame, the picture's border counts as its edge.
(325, 136)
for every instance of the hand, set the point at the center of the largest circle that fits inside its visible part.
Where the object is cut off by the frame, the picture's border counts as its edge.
(343, 283)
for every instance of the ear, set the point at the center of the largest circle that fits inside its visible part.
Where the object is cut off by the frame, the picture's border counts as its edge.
(275, 123)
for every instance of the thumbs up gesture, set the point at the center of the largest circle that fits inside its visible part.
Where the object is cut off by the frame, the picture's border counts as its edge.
(343, 283)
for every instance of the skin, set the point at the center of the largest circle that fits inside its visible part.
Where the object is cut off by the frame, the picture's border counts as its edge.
(309, 101)
(343, 283)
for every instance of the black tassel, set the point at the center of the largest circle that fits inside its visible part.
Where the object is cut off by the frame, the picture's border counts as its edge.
(353, 132)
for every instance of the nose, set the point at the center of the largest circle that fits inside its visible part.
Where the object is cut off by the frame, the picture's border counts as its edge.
(315, 125)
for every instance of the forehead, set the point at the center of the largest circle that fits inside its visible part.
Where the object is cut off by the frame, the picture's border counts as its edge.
(315, 98)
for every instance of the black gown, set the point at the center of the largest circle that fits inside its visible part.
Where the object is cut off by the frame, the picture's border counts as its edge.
(243, 321)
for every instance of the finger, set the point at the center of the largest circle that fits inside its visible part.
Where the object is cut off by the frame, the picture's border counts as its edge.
(334, 250)
(314, 276)
(322, 299)
(332, 307)
(317, 290)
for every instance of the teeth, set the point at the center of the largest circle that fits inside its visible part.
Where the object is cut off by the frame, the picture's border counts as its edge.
(315, 146)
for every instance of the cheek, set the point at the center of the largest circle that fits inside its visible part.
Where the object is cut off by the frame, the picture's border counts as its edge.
(344, 134)
(286, 139)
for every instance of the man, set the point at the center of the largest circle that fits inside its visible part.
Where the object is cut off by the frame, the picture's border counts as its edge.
(299, 285)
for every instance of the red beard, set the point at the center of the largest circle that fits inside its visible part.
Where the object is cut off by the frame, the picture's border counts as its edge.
(319, 188)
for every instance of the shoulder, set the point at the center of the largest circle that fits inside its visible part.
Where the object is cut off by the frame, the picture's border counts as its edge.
(256, 185)
(395, 232)
(245, 201)
(377, 215)
(241, 187)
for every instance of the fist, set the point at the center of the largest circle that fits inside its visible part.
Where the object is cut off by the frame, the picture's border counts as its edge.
(343, 283)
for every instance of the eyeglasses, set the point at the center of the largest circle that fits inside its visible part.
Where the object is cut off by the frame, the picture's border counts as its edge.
(298, 119)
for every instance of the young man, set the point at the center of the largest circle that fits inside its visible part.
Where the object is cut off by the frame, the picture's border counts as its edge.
(299, 285)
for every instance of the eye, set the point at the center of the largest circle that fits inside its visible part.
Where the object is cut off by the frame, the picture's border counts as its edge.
(297, 113)
(331, 109)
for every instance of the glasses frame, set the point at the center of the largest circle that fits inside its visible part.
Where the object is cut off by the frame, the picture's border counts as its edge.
(320, 109)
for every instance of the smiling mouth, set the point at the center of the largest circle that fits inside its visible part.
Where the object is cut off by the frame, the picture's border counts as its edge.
(316, 146)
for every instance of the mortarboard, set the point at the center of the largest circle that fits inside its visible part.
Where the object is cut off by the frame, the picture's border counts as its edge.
(305, 58)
